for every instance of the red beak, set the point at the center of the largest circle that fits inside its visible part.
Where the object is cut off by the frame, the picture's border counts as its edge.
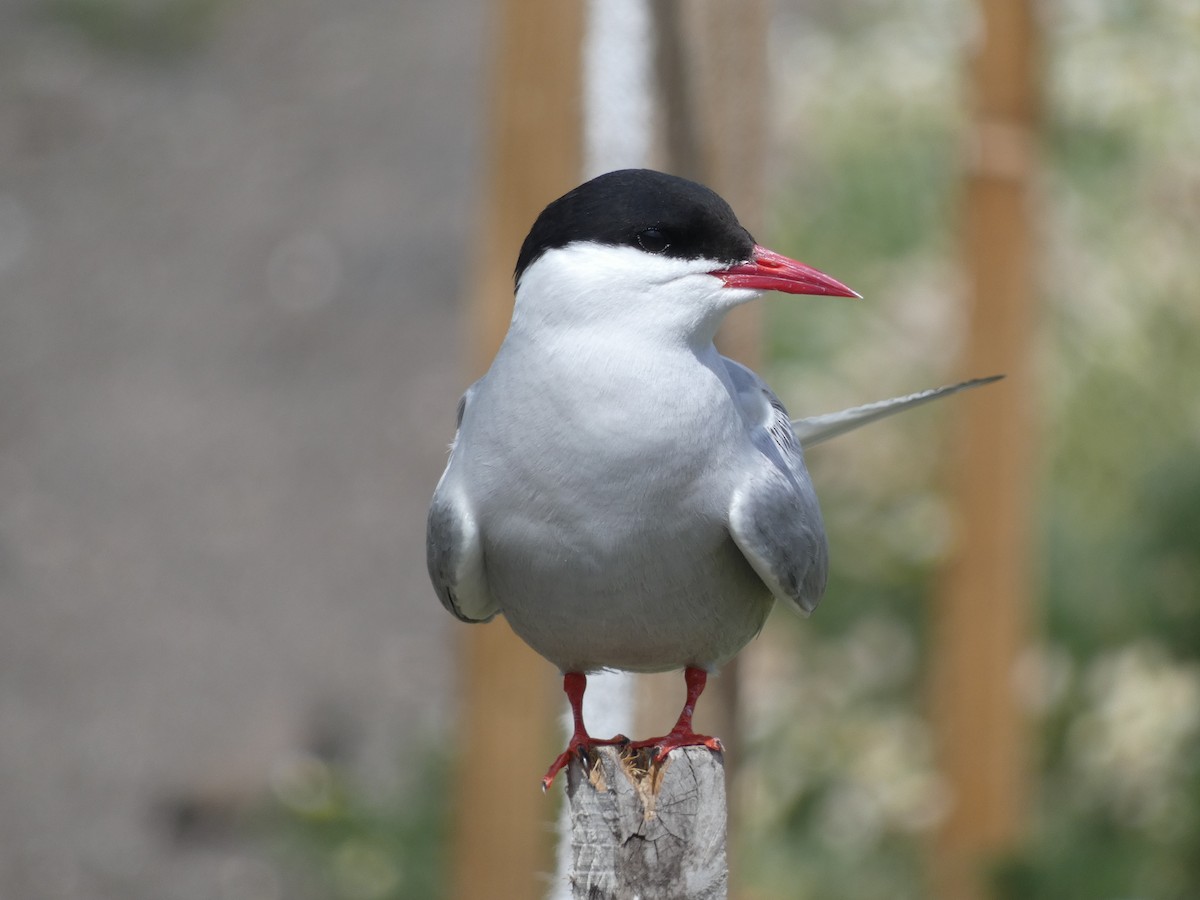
(771, 271)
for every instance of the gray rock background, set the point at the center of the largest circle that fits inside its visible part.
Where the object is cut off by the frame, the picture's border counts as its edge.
(229, 281)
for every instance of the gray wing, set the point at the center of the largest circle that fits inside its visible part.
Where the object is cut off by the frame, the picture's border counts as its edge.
(815, 429)
(774, 517)
(453, 548)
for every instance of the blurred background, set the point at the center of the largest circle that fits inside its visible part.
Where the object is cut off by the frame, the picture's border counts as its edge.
(236, 242)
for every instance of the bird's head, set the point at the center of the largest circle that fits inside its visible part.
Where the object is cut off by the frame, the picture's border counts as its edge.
(650, 252)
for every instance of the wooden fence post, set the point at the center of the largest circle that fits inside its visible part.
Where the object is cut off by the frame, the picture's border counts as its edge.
(981, 611)
(653, 832)
(711, 68)
(502, 842)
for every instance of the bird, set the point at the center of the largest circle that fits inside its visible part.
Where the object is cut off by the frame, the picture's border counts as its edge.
(623, 494)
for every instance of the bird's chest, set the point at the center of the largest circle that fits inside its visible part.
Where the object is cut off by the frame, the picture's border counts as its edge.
(603, 510)
(605, 455)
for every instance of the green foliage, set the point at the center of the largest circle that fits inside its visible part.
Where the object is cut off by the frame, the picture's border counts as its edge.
(877, 192)
(150, 29)
(340, 844)
(1114, 683)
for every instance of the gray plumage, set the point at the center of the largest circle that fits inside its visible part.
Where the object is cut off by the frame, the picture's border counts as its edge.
(815, 429)
(627, 497)
(663, 540)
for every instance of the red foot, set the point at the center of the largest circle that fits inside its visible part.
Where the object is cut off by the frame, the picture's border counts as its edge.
(676, 739)
(574, 684)
(682, 735)
(578, 746)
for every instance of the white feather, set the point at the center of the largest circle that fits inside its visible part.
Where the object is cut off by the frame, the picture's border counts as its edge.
(815, 429)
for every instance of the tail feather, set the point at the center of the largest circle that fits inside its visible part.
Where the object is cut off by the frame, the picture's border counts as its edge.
(815, 429)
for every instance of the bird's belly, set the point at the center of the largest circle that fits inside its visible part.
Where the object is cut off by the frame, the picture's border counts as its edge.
(605, 540)
(639, 602)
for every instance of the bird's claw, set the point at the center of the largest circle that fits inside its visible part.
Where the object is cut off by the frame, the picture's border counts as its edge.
(578, 747)
(559, 763)
(662, 746)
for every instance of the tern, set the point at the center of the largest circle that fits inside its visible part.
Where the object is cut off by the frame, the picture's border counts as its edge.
(627, 497)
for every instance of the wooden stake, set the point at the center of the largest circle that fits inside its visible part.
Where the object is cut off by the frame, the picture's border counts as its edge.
(502, 834)
(711, 65)
(712, 72)
(981, 610)
(654, 835)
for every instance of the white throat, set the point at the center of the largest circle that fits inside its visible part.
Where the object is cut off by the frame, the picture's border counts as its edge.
(624, 291)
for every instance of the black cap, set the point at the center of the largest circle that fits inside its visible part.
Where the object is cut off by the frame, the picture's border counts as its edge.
(656, 212)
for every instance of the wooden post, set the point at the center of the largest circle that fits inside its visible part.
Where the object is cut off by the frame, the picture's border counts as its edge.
(711, 66)
(656, 834)
(502, 838)
(712, 72)
(981, 610)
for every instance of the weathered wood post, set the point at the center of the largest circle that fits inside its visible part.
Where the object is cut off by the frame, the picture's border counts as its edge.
(650, 831)
(630, 829)
(659, 832)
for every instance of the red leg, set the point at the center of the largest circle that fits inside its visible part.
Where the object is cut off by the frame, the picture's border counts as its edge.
(682, 735)
(574, 684)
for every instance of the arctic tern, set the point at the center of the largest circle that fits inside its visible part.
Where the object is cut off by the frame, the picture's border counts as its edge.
(627, 497)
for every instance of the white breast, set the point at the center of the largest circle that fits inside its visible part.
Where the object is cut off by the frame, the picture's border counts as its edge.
(602, 469)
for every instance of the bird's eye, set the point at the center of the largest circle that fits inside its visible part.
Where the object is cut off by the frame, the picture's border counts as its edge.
(652, 240)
